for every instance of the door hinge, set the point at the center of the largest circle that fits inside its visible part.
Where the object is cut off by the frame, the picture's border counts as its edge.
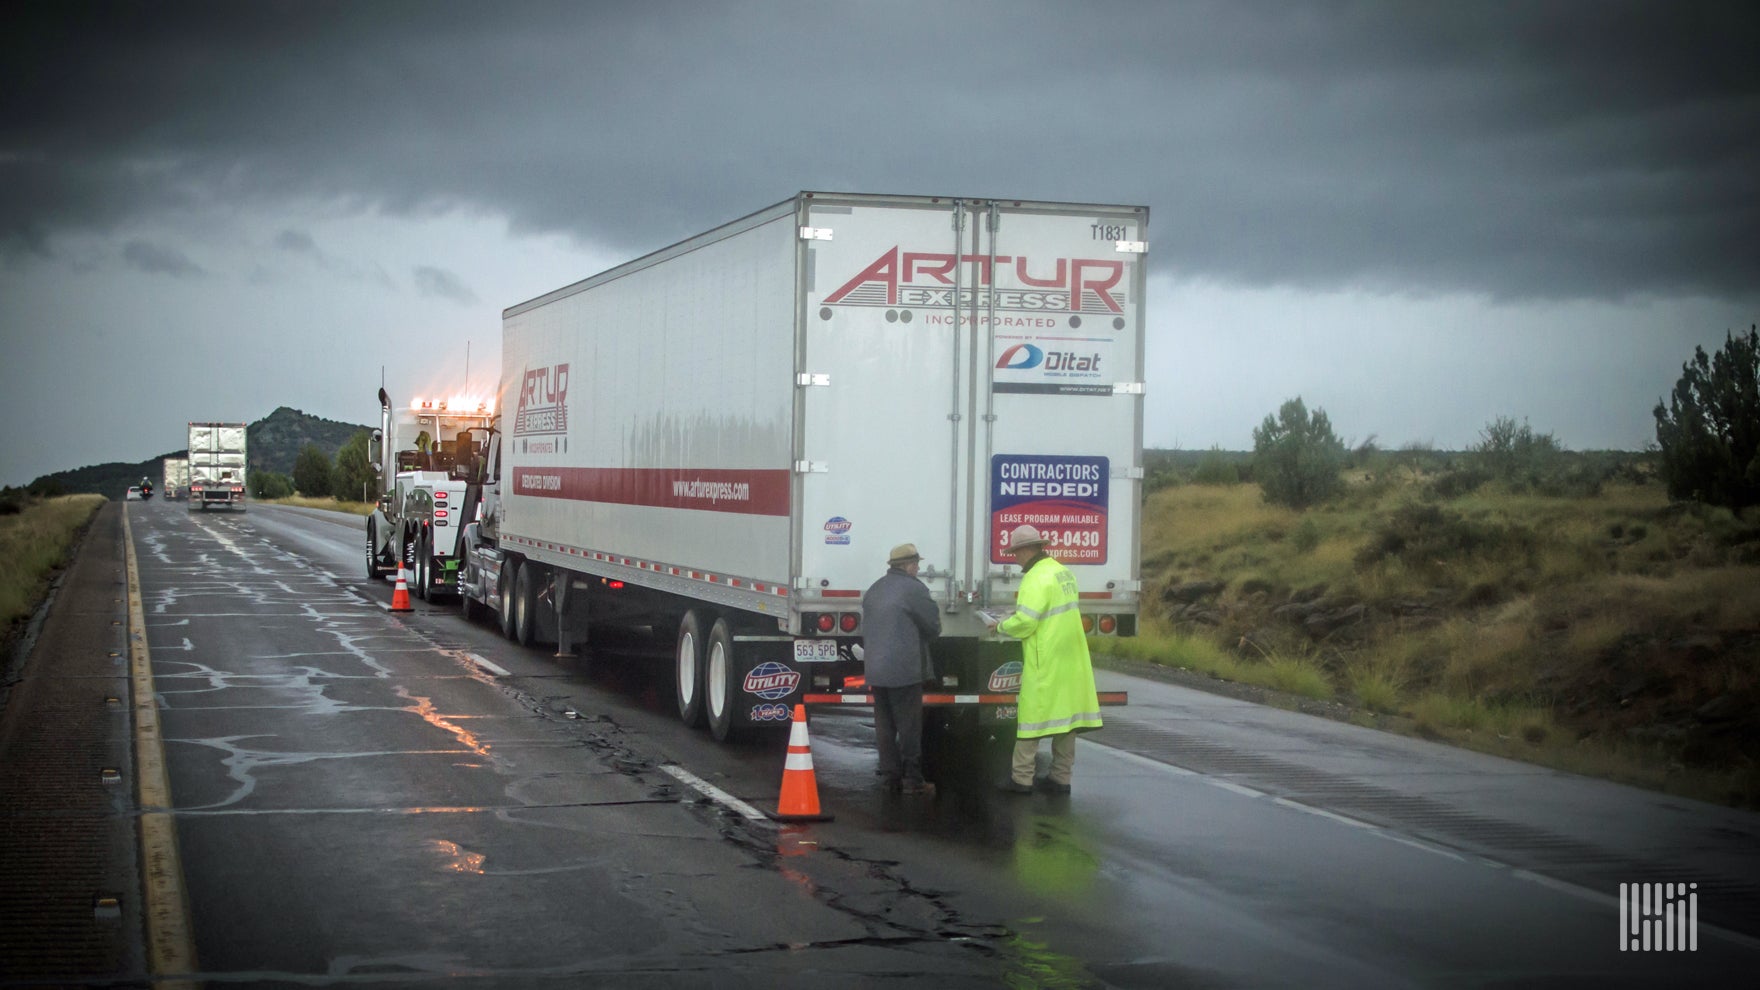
(811, 467)
(1129, 247)
(811, 378)
(815, 233)
(1127, 388)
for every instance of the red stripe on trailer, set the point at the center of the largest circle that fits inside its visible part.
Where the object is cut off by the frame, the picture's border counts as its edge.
(859, 698)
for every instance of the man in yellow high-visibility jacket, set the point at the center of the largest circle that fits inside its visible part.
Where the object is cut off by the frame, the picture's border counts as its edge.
(1058, 698)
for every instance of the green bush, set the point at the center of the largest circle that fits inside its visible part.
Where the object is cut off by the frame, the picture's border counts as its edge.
(1710, 431)
(268, 484)
(311, 472)
(1296, 457)
(353, 479)
(1422, 535)
(1516, 455)
(1216, 469)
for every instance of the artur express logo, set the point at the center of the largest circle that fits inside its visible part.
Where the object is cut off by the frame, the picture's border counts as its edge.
(543, 402)
(926, 278)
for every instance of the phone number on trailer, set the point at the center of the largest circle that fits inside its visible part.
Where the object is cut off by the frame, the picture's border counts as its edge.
(1067, 538)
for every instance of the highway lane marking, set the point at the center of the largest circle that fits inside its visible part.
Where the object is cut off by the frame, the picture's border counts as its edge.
(1323, 813)
(170, 942)
(486, 665)
(714, 793)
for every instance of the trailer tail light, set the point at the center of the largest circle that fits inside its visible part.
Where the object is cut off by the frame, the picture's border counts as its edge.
(848, 621)
(826, 622)
(440, 513)
(614, 585)
(1108, 624)
(439, 496)
(1087, 623)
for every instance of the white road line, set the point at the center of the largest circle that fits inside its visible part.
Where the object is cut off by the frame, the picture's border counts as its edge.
(1323, 813)
(486, 665)
(1156, 764)
(714, 793)
(1228, 785)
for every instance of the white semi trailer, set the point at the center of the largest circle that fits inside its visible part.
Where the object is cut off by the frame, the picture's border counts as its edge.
(176, 478)
(723, 439)
(217, 458)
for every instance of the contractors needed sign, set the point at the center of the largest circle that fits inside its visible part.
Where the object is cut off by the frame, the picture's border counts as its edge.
(1064, 497)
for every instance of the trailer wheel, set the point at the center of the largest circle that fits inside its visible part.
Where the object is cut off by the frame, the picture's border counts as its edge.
(372, 553)
(508, 571)
(688, 669)
(720, 692)
(525, 605)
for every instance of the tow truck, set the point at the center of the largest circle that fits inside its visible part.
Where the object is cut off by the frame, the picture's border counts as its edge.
(427, 455)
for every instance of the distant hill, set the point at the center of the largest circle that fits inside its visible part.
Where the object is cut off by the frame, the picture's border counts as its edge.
(274, 442)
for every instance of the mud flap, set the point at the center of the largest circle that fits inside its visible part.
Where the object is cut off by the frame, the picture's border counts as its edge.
(768, 682)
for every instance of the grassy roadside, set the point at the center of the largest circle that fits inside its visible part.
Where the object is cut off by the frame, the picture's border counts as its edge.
(1612, 634)
(328, 504)
(35, 541)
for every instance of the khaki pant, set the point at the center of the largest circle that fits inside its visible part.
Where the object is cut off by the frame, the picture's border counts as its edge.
(1063, 758)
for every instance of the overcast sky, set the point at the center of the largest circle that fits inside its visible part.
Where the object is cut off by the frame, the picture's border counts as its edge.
(1417, 216)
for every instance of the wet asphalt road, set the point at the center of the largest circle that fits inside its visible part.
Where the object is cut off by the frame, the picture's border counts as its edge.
(366, 797)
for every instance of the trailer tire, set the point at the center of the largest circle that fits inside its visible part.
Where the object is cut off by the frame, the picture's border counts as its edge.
(687, 667)
(525, 606)
(505, 592)
(372, 553)
(720, 681)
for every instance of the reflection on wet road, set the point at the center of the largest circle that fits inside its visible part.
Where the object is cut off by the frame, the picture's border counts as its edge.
(367, 796)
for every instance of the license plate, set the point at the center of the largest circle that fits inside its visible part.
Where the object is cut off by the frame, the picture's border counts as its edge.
(815, 651)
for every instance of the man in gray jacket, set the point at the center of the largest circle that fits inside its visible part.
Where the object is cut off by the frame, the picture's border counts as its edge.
(899, 622)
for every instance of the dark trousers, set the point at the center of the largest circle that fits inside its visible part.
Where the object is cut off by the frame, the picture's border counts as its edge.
(898, 726)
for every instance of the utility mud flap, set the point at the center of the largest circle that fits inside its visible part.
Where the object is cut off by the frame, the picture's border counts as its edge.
(767, 681)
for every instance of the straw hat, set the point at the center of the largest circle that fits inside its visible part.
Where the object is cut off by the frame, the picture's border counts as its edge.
(904, 553)
(1024, 536)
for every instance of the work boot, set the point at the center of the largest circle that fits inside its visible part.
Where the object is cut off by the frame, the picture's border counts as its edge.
(1050, 786)
(1010, 786)
(913, 786)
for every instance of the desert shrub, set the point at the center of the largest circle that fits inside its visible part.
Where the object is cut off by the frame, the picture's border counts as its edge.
(1420, 534)
(311, 471)
(1517, 456)
(1216, 469)
(1710, 431)
(1455, 482)
(1296, 456)
(268, 484)
(1307, 536)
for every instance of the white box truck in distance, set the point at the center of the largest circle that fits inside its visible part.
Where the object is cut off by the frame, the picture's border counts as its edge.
(216, 465)
(724, 439)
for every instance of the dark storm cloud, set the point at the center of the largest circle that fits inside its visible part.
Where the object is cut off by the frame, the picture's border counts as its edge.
(159, 259)
(1542, 149)
(441, 284)
(296, 242)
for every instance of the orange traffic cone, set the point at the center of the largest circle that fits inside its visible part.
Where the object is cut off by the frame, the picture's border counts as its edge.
(800, 789)
(400, 594)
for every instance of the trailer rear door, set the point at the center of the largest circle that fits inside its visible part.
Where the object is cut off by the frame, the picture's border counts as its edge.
(967, 366)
